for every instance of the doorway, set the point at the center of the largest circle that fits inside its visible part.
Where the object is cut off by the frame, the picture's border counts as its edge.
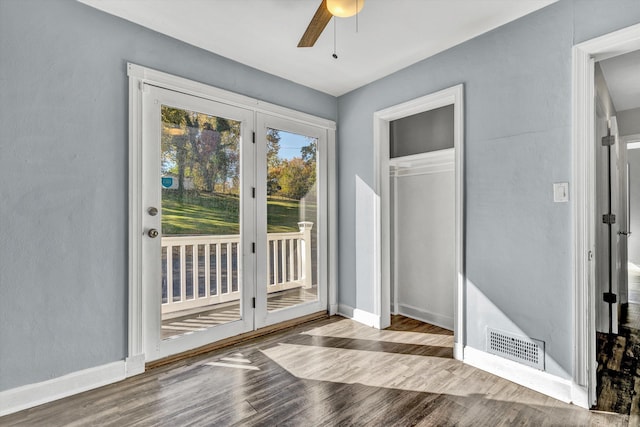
(393, 186)
(631, 313)
(422, 216)
(232, 217)
(617, 112)
(601, 238)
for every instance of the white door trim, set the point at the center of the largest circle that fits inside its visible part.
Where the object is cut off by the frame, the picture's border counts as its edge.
(382, 285)
(583, 166)
(138, 76)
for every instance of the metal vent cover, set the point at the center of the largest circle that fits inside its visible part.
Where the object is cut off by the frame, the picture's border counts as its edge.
(514, 347)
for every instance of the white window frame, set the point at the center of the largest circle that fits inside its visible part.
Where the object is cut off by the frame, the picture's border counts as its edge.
(138, 77)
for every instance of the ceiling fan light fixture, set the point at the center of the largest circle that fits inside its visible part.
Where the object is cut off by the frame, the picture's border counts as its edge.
(344, 8)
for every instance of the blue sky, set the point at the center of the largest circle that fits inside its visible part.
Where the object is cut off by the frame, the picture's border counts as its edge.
(290, 144)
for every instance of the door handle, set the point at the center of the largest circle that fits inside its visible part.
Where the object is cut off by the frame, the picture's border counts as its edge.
(624, 233)
(153, 233)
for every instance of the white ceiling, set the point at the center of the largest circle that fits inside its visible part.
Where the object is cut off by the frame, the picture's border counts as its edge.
(392, 34)
(622, 74)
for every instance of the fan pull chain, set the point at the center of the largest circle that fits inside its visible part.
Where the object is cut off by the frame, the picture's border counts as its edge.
(335, 55)
(357, 13)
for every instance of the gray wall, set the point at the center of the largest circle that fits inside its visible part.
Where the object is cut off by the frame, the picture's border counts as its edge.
(629, 122)
(633, 158)
(63, 169)
(423, 132)
(603, 96)
(518, 143)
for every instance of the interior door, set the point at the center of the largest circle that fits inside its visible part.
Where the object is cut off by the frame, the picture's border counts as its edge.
(611, 240)
(198, 175)
(623, 223)
(291, 220)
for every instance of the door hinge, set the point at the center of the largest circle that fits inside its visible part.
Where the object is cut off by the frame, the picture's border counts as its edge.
(609, 219)
(253, 192)
(253, 248)
(254, 137)
(608, 140)
(609, 297)
(253, 302)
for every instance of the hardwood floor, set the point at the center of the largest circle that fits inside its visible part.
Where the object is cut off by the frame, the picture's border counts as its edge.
(324, 373)
(618, 371)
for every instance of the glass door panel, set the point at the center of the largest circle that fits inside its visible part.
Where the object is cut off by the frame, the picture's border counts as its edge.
(292, 202)
(291, 174)
(199, 164)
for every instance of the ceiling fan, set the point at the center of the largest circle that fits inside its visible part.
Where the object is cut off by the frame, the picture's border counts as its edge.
(327, 10)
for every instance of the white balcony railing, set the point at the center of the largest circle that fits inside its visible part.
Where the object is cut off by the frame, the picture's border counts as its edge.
(198, 271)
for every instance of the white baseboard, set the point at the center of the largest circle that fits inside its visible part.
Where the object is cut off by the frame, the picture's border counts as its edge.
(359, 315)
(580, 396)
(425, 316)
(134, 365)
(542, 382)
(333, 309)
(458, 352)
(28, 396)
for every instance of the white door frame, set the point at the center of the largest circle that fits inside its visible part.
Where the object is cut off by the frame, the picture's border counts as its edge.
(138, 76)
(584, 187)
(382, 285)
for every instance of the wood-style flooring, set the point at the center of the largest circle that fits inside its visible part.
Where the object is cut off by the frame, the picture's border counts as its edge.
(330, 372)
(618, 373)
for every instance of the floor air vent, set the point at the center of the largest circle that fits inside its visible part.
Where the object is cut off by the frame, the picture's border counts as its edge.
(518, 348)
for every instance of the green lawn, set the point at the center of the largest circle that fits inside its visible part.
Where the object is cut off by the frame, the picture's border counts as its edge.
(203, 213)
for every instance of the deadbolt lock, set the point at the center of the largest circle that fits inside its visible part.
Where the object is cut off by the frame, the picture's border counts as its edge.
(152, 211)
(153, 233)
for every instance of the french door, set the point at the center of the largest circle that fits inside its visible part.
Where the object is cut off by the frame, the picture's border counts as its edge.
(231, 219)
(291, 220)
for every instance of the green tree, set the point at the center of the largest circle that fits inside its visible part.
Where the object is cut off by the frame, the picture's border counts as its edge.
(296, 178)
(308, 152)
(227, 155)
(273, 161)
(204, 146)
(174, 143)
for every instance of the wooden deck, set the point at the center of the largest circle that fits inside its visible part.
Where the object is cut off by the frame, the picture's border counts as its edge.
(329, 372)
(228, 312)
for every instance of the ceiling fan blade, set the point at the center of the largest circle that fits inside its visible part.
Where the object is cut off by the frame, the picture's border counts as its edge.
(317, 24)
